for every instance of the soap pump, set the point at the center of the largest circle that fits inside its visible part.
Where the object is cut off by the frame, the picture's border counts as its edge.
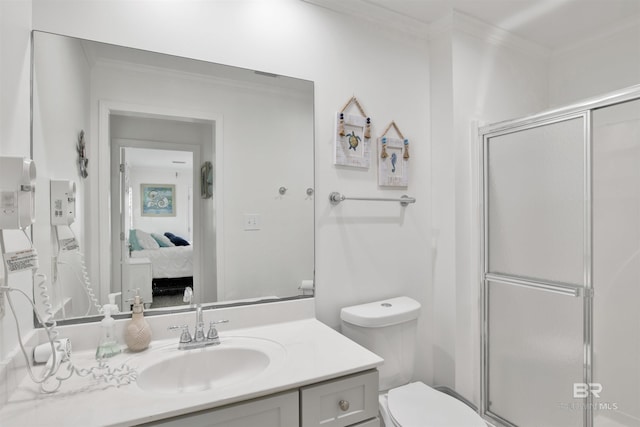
(113, 309)
(108, 346)
(137, 333)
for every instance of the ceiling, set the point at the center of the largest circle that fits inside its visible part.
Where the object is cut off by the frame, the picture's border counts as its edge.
(549, 23)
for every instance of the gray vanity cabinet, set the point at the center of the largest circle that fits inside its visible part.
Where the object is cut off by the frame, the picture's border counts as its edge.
(349, 401)
(280, 410)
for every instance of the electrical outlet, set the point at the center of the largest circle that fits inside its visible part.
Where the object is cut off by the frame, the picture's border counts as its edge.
(251, 222)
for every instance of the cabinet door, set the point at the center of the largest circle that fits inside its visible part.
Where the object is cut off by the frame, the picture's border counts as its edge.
(342, 402)
(275, 411)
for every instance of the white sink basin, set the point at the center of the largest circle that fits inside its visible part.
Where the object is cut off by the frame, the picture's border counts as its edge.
(233, 362)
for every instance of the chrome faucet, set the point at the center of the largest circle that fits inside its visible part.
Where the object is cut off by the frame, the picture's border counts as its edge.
(199, 339)
(199, 333)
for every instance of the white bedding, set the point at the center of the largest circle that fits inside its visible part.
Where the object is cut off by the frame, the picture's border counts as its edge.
(176, 261)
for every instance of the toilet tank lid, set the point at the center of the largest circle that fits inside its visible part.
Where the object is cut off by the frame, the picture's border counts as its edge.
(381, 313)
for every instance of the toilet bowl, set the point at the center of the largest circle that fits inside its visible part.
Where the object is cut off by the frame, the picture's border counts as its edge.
(388, 328)
(418, 405)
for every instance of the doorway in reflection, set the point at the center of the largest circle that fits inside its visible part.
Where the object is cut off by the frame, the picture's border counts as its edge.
(157, 214)
(154, 249)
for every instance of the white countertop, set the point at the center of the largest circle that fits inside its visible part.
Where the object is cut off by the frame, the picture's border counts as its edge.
(313, 352)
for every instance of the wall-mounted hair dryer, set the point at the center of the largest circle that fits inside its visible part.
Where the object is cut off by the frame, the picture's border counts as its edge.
(17, 186)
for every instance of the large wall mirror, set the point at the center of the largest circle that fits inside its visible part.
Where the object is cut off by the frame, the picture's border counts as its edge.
(186, 181)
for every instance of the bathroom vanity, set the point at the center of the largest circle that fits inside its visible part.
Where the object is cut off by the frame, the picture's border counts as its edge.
(276, 366)
(346, 401)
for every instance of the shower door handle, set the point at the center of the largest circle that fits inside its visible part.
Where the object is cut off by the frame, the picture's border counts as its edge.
(558, 288)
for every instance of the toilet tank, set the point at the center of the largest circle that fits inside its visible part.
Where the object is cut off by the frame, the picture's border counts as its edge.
(387, 328)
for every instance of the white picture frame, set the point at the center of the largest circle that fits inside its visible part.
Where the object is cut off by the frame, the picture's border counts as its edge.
(393, 170)
(352, 149)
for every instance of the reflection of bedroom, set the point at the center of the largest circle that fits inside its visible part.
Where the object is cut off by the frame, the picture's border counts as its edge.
(161, 238)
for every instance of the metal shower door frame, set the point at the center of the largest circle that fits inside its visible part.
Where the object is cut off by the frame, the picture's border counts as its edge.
(582, 110)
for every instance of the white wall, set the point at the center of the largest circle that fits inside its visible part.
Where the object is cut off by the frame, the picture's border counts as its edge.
(63, 113)
(491, 83)
(15, 24)
(442, 204)
(492, 76)
(607, 61)
(364, 251)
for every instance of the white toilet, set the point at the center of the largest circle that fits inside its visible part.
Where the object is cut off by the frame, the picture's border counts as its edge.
(388, 328)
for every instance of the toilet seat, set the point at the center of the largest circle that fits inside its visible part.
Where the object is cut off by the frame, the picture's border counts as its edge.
(418, 405)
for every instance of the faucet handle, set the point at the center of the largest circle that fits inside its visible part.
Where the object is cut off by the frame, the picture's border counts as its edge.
(213, 332)
(185, 336)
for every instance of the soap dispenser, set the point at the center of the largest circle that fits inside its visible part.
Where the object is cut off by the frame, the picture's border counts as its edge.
(114, 309)
(137, 333)
(108, 346)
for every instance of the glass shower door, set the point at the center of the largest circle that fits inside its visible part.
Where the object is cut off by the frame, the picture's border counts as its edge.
(536, 251)
(616, 264)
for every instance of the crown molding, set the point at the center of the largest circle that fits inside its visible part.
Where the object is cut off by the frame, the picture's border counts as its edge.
(367, 11)
(452, 21)
(610, 33)
(442, 26)
(497, 36)
(456, 21)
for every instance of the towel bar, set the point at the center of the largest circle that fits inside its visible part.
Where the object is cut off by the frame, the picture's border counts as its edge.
(336, 198)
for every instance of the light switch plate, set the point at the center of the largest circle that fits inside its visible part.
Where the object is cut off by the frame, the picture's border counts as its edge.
(252, 222)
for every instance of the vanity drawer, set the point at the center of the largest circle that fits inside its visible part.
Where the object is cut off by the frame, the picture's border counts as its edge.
(341, 402)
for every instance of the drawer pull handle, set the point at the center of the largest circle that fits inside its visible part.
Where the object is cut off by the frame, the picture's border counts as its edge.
(344, 405)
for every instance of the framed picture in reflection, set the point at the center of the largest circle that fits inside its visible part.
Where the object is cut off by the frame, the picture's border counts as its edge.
(158, 199)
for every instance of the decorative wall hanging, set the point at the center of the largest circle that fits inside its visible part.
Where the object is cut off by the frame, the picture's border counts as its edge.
(206, 180)
(393, 162)
(158, 199)
(83, 161)
(353, 135)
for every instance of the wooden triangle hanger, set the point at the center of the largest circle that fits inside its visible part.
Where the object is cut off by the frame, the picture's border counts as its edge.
(383, 139)
(395, 126)
(354, 100)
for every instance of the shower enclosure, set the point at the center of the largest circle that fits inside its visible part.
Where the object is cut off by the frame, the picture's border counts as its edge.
(560, 285)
